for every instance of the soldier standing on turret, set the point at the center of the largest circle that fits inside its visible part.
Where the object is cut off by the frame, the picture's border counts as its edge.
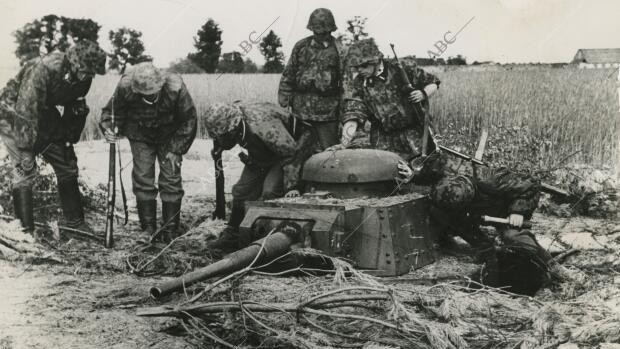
(43, 112)
(156, 113)
(311, 82)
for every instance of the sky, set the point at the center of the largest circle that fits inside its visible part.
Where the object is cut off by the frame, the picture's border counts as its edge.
(490, 30)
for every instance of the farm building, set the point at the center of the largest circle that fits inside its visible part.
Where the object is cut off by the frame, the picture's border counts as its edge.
(597, 58)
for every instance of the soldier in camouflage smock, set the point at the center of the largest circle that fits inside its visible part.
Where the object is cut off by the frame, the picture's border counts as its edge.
(43, 112)
(310, 84)
(375, 95)
(156, 113)
(277, 143)
(459, 202)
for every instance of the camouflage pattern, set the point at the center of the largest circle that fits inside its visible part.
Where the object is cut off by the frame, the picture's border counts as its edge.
(381, 101)
(86, 56)
(310, 83)
(43, 103)
(363, 51)
(322, 21)
(501, 194)
(222, 118)
(171, 121)
(146, 79)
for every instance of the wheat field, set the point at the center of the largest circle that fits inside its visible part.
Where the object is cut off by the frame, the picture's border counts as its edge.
(534, 115)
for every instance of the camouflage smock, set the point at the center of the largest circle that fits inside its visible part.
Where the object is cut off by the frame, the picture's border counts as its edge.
(170, 121)
(310, 83)
(274, 136)
(38, 106)
(381, 101)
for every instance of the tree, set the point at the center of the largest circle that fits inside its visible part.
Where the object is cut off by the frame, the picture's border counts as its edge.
(127, 48)
(51, 33)
(231, 62)
(249, 67)
(458, 60)
(184, 66)
(274, 58)
(356, 30)
(209, 46)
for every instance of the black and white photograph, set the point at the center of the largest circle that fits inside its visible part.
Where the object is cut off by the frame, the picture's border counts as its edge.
(372, 174)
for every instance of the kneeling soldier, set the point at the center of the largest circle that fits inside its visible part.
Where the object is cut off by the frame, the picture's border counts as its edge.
(277, 143)
(156, 113)
(42, 111)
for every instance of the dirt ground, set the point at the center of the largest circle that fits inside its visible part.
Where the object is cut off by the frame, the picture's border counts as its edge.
(74, 294)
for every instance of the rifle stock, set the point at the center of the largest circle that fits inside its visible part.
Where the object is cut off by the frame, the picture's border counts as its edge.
(109, 223)
(220, 200)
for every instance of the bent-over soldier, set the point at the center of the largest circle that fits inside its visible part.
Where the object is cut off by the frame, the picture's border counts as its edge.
(311, 81)
(43, 112)
(155, 112)
(277, 145)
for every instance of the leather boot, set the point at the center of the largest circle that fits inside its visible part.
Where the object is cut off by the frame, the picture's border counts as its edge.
(71, 203)
(171, 214)
(23, 206)
(227, 242)
(147, 212)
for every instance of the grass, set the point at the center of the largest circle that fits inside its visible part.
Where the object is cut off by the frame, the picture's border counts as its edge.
(535, 116)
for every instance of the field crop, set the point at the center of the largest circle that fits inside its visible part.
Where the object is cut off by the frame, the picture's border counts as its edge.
(536, 117)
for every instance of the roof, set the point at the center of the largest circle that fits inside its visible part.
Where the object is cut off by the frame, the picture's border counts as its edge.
(597, 55)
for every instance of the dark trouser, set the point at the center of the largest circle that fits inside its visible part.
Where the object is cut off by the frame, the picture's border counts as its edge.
(143, 174)
(255, 184)
(62, 159)
(327, 132)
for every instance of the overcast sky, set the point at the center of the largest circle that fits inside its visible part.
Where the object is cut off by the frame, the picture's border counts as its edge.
(501, 30)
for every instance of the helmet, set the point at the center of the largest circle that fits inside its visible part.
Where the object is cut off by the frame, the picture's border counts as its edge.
(146, 79)
(321, 21)
(363, 51)
(453, 192)
(221, 118)
(87, 56)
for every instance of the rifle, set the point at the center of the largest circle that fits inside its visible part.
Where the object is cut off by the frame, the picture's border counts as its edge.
(109, 223)
(220, 200)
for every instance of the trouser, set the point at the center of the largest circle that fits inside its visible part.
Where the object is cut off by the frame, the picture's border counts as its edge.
(327, 133)
(62, 158)
(143, 174)
(255, 184)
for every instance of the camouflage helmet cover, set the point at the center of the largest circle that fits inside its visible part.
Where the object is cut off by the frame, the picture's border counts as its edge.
(222, 118)
(454, 192)
(363, 51)
(146, 79)
(87, 56)
(322, 21)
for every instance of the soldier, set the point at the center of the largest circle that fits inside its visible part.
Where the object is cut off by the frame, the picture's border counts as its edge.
(459, 202)
(277, 143)
(43, 111)
(375, 95)
(156, 113)
(310, 84)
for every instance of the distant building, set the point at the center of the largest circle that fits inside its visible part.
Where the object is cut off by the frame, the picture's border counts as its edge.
(597, 58)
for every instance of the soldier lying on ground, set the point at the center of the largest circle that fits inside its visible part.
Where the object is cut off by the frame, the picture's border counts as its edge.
(458, 204)
(42, 111)
(156, 113)
(277, 143)
(376, 95)
(310, 83)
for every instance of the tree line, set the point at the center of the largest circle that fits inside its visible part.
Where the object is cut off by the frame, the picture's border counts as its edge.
(56, 33)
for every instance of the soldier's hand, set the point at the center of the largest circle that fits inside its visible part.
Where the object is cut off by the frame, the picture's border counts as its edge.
(110, 135)
(416, 96)
(405, 172)
(292, 193)
(515, 220)
(27, 163)
(175, 161)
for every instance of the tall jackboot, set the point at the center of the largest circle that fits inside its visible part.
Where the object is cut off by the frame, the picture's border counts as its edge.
(71, 203)
(229, 239)
(147, 212)
(171, 214)
(23, 206)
